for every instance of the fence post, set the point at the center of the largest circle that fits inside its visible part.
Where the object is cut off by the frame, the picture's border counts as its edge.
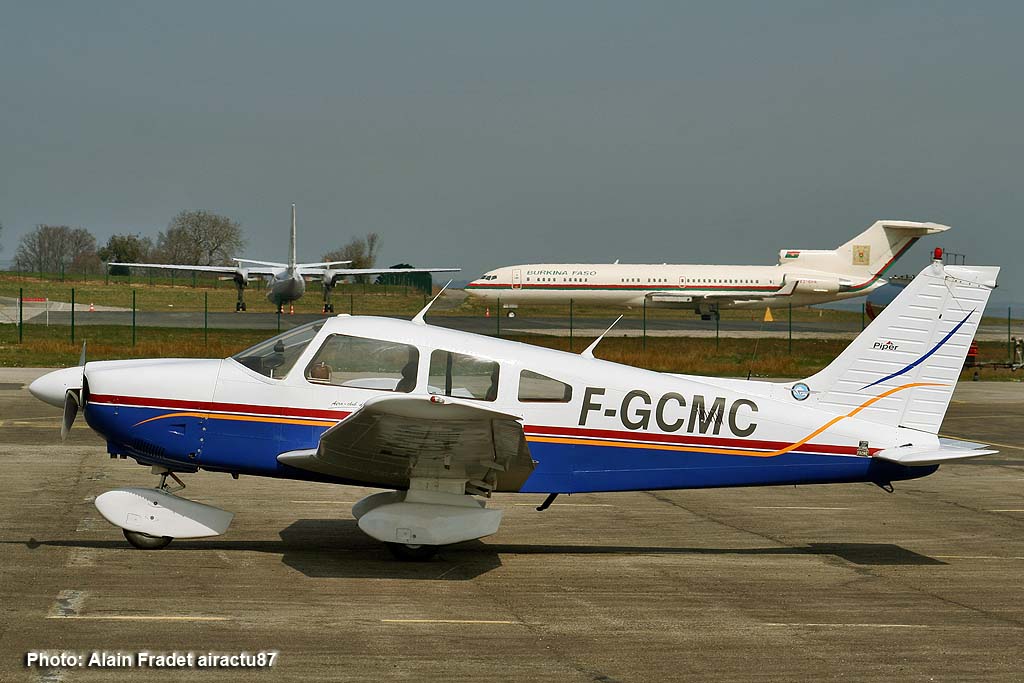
(62, 272)
(791, 329)
(193, 279)
(643, 344)
(570, 325)
(133, 317)
(72, 315)
(497, 317)
(351, 303)
(279, 320)
(862, 307)
(106, 275)
(21, 314)
(1009, 332)
(206, 317)
(718, 322)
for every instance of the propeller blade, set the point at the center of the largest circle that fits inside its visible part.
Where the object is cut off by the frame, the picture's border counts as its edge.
(81, 358)
(71, 403)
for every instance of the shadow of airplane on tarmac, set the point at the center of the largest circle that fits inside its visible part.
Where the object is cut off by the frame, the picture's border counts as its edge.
(333, 548)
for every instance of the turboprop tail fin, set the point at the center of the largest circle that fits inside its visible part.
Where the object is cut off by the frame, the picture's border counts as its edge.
(903, 367)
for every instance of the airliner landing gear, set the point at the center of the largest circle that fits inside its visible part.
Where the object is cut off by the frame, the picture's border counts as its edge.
(240, 286)
(152, 518)
(709, 312)
(511, 314)
(328, 306)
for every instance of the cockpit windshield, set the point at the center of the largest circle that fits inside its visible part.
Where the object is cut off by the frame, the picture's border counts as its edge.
(276, 356)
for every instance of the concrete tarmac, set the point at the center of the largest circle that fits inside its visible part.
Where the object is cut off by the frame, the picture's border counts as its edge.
(784, 583)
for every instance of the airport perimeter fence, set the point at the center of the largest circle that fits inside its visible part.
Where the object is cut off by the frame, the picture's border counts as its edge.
(202, 321)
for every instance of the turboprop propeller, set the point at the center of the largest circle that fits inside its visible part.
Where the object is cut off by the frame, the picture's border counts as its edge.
(62, 388)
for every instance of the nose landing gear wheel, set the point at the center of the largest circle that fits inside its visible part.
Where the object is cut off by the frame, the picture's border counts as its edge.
(411, 553)
(511, 314)
(145, 541)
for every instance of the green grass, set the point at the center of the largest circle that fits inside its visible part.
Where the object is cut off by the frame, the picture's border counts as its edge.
(52, 347)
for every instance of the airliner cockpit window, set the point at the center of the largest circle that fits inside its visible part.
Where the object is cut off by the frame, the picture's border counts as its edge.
(276, 356)
(462, 376)
(365, 364)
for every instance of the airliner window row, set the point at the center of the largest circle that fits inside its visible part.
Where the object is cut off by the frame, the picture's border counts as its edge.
(555, 279)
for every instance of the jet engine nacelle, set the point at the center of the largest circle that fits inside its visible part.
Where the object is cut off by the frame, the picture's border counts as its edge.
(241, 277)
(331, 277)
(816, 285)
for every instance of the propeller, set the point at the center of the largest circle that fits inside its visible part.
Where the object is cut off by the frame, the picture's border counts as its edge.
(73, 399)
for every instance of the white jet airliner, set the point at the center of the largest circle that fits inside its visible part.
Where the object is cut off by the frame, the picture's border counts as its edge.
(286, 282)
(802, 277)
(445, 418)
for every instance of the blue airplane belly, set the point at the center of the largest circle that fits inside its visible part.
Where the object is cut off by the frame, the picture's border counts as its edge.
(578, 468)
(159, 436)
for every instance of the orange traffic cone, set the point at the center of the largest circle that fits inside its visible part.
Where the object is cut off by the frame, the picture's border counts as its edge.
(92, 309)
(487, 313)
(291, 309)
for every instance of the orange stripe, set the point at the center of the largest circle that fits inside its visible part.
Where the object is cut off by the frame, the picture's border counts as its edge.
(243, 418)
(733, 451)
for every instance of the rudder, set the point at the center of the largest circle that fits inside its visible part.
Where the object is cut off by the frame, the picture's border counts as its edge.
(902, 369)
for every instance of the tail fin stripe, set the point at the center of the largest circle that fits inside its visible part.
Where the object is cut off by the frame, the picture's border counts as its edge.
(923, 358)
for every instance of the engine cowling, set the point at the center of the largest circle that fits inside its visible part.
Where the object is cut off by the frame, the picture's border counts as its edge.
(816, 285)
(241, 277)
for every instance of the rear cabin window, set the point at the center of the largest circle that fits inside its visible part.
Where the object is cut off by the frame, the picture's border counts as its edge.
(462, 376)
(362, 363)
(537, 388)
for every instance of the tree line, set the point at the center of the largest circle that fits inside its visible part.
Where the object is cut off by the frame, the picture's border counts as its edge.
(194, 238)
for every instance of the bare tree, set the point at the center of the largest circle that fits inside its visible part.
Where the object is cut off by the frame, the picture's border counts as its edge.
(125, 249)
(362, 251)
(199, 238)
(49, 248)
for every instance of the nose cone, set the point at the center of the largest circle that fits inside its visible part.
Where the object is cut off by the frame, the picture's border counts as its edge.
(53, 386)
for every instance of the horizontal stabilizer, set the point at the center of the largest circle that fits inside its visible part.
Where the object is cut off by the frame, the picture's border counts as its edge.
(949, 450)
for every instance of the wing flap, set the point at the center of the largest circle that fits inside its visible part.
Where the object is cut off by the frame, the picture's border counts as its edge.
(393, 438)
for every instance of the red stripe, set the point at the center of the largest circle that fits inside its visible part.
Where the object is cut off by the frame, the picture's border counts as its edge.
(685, 439)
(212, 406)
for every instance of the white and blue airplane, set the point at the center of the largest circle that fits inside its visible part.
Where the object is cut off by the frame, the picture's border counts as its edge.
(442, 419)
(286, 282)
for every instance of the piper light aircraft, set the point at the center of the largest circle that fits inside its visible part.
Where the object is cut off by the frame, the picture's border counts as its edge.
(802, 277)
(286, 282)
(443, 419)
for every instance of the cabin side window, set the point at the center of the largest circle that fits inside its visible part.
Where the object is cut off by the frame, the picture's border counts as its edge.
(537, 388)
(462, 376)
(362, 363)
(276, 356)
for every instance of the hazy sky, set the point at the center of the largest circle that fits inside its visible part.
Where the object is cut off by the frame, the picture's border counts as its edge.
(483, 134)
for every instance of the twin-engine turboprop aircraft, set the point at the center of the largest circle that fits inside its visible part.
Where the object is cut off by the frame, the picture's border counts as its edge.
(286, 282)
(444, 418)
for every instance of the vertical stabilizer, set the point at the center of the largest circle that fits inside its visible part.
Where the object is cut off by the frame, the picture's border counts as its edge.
(291, 245)
(903, 367)
(864, 259)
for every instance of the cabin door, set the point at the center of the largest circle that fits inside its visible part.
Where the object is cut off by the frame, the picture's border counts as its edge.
(517, 278)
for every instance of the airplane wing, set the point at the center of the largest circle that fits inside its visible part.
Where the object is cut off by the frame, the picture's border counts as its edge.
(324, 264)
(376, 271)
(698, 297)
(393, 438)
(272, 264)
(223, 270)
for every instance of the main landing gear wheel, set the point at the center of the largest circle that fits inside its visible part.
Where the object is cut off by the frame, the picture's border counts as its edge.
(411, 553)
(145, 541)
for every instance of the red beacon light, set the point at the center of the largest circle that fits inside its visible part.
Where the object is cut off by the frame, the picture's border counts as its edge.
(938, 254)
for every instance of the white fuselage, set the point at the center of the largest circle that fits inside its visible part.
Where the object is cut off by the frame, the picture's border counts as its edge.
(665, 285)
